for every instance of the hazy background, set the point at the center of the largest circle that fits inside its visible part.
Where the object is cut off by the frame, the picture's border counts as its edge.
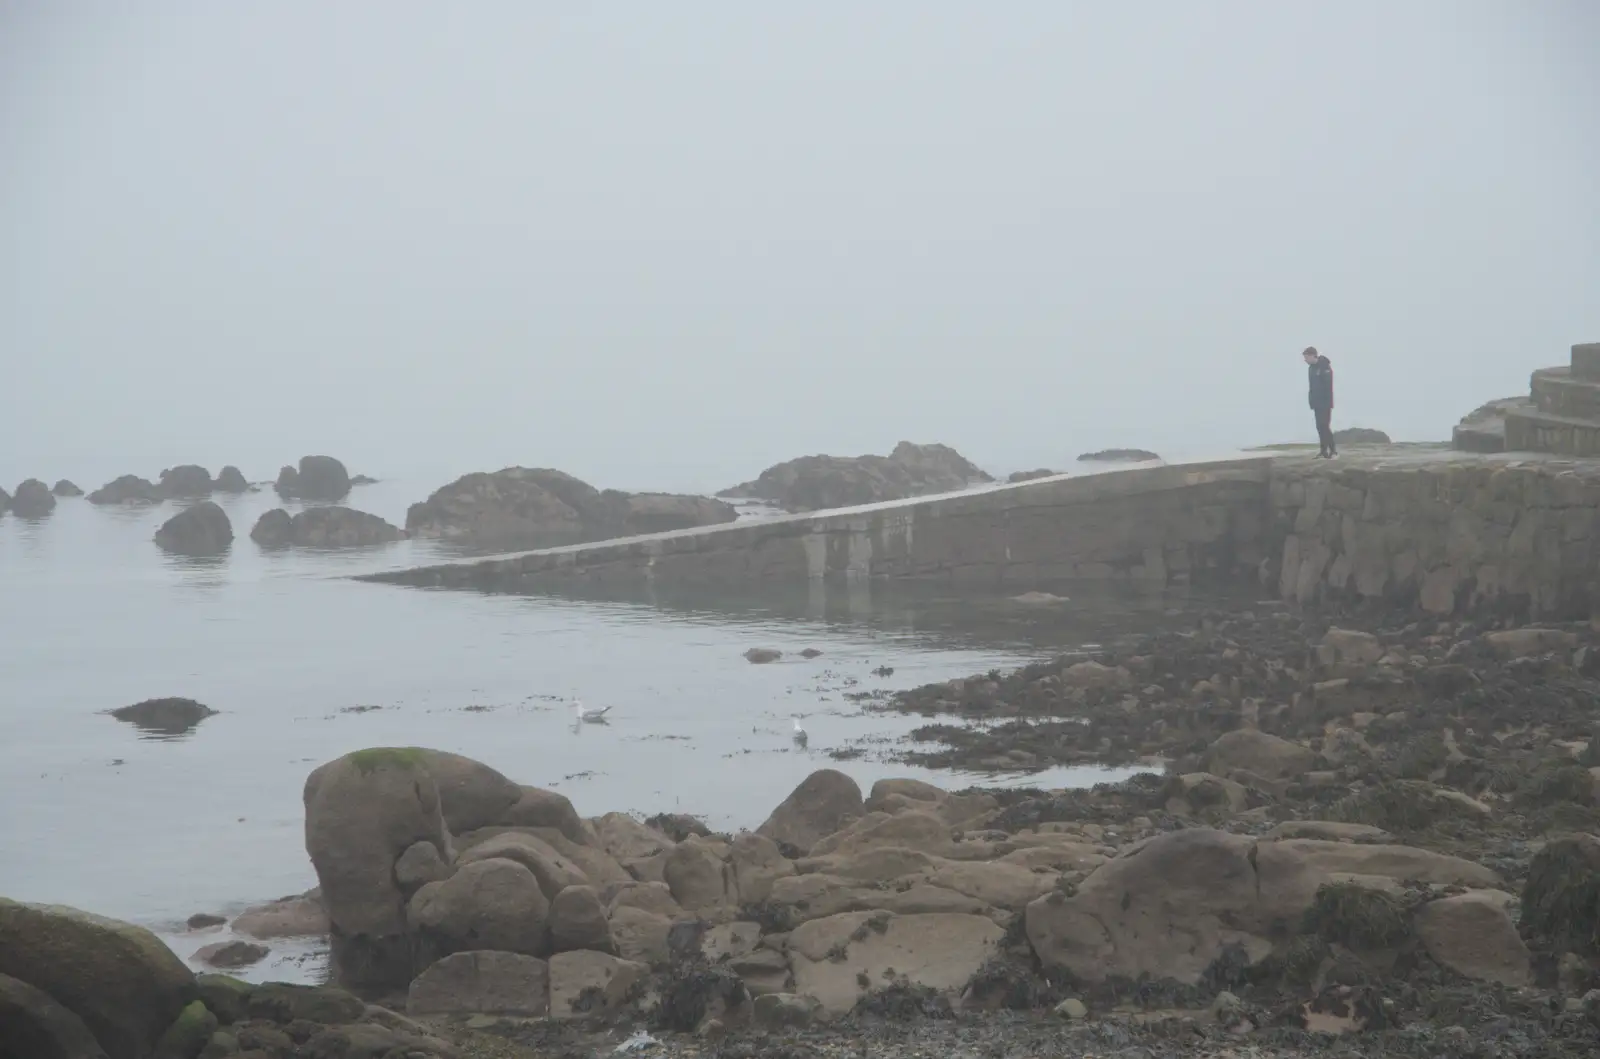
(667, 245)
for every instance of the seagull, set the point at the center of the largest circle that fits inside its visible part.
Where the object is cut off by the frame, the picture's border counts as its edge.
(799, 732)
(592, 714)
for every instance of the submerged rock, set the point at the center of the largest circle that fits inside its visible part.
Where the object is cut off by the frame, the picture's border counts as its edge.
(531, 507)
(33, 499)
(316, 478)
(168, 716)
(812, 483)
(200, 530)
(65, 488)
(129, 489)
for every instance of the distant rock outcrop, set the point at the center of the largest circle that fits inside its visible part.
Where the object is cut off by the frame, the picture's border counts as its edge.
(129, 489)
(532, 507)
(1027, 476)
(812, 483)
(5, 501)
(231, 480)
(320, 478)
(203, 529)
(1361, 436)
(1119, 456)
(66, 488)
(323, 527)
(33, 499)
(187, 481)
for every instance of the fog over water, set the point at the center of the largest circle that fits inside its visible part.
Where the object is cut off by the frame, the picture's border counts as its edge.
(664, 246)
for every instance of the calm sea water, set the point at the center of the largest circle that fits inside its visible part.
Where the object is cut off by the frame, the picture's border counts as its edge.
(306, 665)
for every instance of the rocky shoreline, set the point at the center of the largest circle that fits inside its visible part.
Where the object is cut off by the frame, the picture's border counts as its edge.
(1352, 840)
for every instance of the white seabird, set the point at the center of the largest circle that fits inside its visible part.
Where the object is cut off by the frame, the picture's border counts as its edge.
(800, 737)
(592, 714)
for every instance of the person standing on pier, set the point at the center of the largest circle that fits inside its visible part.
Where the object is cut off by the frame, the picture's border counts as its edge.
(1321, 373)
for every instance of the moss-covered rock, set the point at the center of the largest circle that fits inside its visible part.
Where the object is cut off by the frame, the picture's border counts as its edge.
(1561, 899)
(1405, 806)
(188, 1034)
(1358, 917)
(281, 1002)
(34, 1026)
(124, 984)
(226, 996)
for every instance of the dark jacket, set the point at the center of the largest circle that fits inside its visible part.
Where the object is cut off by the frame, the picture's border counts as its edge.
(1321, 373)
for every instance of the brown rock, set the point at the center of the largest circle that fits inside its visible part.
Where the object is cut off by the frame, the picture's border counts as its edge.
(1473, 935)
(228, 955)
(487, 904)
(577, 921)
(994, 883)
(627, 839)
(649, 896)
(940, 952)
(419, 865)
(553, 871)
(698, 878)
(756, 865)
(592, 983)
(1401, 863)
(640, 935)
(301, 916)
(490, 983)
(537, 807)
(1265, 755)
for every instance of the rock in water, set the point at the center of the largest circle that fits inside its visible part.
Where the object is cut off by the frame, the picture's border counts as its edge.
(231, 954)
(274, 529)
(123, 983)
(363, 811)
(231, 480)
(203, 529)
(5, 501)
(339, 527)
(537, 506)
(812, 483)
(1119, 456)
(33, 499)
(66, 488)
(168, 717)
(186, 482)
(129, 489)
(317, 478)
(1028, 476)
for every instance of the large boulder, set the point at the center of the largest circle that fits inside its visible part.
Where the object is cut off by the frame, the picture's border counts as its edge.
(1473, 935)
(482, 982)
(363, 811)
(553, 871)
(120, 980)
(300, 916)
(1168, 907)
(202, 529)
(320, 478)
(533, 506)
(472, 794)
(839, 959)
(186, 481)
(537, 807)
(274, 529)
(129, 489)
(487, 904)
(578, 921)
(824, 802)
(339, 527)
(584, 983)
(812, 483)
(34, 1026)
(231, 480)
(64, 487)
(1561, 899)
(33, 499)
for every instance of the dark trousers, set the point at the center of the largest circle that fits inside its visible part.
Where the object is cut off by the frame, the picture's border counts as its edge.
(1325, 429)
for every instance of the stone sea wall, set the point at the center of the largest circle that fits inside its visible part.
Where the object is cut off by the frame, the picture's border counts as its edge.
(1466, 535)
(1157, 526)
(1438, 532)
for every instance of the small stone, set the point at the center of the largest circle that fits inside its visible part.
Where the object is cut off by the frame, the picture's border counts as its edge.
(1225, 1006)
(203, 920)
(229, 954)
(1072, 1009)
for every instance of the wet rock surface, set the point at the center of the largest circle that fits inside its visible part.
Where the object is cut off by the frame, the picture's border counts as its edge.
(33, 499)
(168, 717)
(812, 483)
(323, 527)
(200, 530)
(316, 478)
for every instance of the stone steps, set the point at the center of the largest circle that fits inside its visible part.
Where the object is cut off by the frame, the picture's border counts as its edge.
(1530, 430)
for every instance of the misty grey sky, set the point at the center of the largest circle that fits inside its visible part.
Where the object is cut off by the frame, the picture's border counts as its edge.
(665, 245)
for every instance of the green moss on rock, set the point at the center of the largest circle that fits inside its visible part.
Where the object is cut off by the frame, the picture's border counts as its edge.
(388, 757)
(226, 996)
(1402, 806)
(188, 1034)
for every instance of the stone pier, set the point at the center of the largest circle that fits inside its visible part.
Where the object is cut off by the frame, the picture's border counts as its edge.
(1423, 528)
